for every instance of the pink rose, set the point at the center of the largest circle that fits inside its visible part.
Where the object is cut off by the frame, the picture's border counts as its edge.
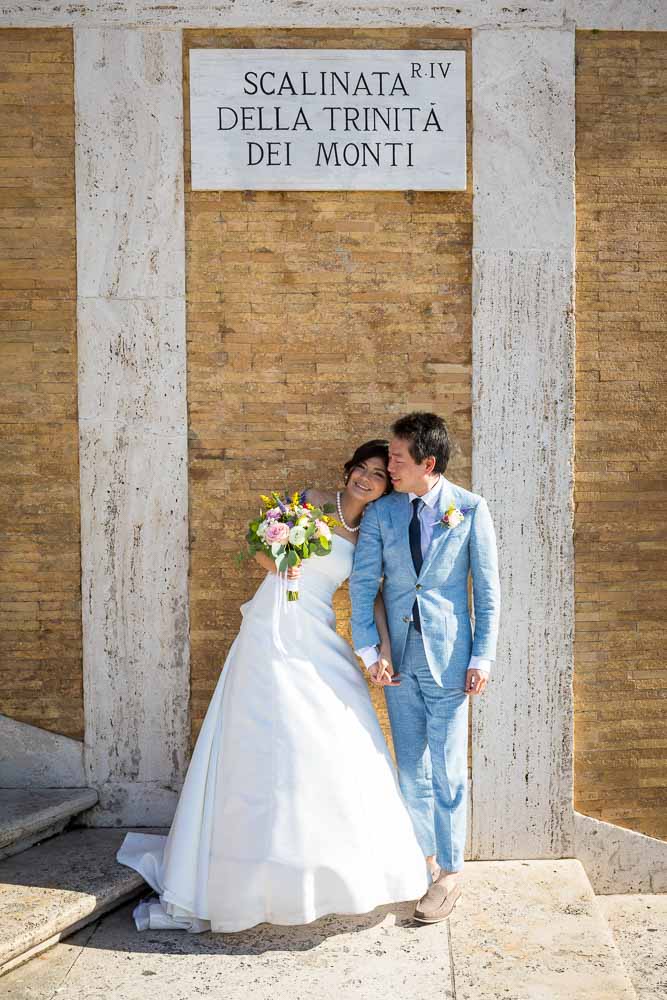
(323, 530)
(277, 533)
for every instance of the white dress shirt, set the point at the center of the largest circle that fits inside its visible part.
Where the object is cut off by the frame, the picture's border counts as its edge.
(429, 515)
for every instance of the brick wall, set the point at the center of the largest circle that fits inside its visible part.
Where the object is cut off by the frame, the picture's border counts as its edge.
(40, 623)
(620, 535)
(314, 319)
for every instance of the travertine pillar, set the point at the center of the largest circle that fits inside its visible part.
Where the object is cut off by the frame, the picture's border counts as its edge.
(523, 420)
(133, 419)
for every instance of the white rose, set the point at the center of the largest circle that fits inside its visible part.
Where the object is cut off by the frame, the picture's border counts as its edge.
(261, 529)
(297, 535)
(455, 518)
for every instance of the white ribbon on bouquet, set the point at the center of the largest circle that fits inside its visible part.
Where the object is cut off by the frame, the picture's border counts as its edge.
(284, 613)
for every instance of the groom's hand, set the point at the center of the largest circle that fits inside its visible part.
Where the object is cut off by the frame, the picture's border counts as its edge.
(382, 674)
(475, 681)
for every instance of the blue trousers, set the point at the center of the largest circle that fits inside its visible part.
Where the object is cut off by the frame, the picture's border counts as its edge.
(429, 726)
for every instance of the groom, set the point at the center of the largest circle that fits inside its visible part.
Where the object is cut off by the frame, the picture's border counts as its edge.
(422, 541)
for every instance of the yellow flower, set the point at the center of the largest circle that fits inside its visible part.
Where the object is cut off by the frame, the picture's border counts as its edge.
(453, 517)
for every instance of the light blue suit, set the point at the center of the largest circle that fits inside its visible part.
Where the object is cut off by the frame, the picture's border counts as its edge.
(428, 712)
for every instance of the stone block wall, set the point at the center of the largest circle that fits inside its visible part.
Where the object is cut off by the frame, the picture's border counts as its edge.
(40, 585)
(313, 319)
(620, 732)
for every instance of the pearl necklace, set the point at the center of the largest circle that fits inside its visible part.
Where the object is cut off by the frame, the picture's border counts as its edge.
(340, 515)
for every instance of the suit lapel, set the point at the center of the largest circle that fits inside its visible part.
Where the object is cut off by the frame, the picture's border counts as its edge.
(441, 532)
(401, 512)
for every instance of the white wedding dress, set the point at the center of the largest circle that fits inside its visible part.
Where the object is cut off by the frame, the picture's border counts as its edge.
(291, 807)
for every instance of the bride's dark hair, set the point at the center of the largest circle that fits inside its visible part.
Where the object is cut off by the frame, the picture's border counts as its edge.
(377, 448)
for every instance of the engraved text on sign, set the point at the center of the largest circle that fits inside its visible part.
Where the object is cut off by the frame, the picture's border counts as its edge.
(302, 119)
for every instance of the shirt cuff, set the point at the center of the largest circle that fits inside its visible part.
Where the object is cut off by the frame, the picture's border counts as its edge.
(481, 664)
(369, 655)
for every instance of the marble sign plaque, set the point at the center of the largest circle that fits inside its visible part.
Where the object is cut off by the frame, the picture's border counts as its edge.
(328, 119)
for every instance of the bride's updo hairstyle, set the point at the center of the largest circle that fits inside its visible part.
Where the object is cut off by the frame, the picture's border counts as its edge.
(378, 448)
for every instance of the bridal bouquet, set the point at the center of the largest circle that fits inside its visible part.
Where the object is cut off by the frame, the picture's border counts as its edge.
(290, 530)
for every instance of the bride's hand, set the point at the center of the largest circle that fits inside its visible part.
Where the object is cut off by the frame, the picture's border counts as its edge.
(294, 572)
(387, 667)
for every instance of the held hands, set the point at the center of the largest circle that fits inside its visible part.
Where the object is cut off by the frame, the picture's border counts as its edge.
(475, 681)
(382, 672)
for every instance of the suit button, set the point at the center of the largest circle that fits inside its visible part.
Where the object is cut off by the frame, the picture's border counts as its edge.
(405, 618)
(418, 586)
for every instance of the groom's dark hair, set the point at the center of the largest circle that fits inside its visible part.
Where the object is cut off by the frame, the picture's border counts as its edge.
(426, 434)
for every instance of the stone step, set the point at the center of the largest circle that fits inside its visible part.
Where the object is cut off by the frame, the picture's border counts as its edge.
(638, 922)
(51, 890)
(532, 930)
(29, 815)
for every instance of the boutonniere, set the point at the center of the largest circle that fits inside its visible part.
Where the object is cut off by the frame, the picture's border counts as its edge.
(453, 516)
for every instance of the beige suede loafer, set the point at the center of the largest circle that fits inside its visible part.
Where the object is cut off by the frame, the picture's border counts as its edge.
(436, 904)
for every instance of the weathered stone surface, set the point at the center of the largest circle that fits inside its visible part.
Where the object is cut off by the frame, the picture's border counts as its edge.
(639, 926)
(619, 860)
(618, 15)
(34, 758)
(134, 545)
(531, 930)
(523, 143)
(132, 364)
(129, 164)
(523, 386)
(286, 13)
(59, 885)
(133, 419)
(522, 463)
(636, 15)
(30, 814)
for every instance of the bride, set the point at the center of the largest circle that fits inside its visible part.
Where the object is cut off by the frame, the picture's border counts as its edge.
(291, 807)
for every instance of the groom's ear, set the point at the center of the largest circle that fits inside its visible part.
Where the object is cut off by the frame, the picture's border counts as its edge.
(430, 465)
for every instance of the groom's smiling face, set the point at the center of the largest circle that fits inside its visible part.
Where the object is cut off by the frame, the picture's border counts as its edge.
(408, 476)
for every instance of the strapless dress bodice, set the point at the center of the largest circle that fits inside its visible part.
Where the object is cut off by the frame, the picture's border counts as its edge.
(321, 576)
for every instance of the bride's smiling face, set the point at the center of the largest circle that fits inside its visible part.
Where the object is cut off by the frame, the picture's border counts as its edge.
(368, 480)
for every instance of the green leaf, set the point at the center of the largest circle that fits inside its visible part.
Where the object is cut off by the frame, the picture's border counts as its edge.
(329, 508)
(292, 558)
(282, 563)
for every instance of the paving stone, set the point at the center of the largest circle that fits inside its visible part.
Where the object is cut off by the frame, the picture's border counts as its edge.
(531, 930)
(639, 926)
(521, 931)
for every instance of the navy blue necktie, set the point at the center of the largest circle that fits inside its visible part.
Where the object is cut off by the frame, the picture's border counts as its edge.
(416, 550)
